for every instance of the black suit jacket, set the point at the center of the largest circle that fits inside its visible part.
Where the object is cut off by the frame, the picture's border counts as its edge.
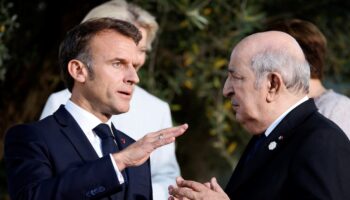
(305, 157)
(52, 160)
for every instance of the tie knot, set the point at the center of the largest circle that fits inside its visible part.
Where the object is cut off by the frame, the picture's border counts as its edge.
(258, 140)
(103, 131)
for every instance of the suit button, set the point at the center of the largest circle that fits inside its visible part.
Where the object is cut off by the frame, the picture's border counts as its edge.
(101, 189)
(88, 194)
(95, 191)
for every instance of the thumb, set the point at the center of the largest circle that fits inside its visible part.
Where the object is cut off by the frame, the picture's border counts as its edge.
(215, 185)
(179, 180)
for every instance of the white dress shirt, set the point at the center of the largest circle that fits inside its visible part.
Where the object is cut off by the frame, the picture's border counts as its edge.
(280, 118)
(87, 123)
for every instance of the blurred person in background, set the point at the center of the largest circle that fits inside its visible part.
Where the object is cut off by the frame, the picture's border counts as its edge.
(333, 105)
(147, 113)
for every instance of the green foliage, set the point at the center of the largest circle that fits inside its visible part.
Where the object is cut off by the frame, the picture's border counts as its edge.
(188, 67)
(192, 56)
(8, 25)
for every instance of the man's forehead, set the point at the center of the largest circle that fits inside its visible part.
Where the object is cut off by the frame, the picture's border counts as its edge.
(113, 35)
(268, 41)
(237, 59)
(237, 69)
(113, 38)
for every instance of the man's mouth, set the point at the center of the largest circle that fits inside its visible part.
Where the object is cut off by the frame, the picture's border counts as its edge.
(125, 93)
(234, 104)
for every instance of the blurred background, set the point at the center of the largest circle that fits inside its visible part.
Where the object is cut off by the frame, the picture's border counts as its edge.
(186, 68)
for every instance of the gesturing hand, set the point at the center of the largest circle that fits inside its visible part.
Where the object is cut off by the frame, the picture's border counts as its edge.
(138, 152)
(187, 189)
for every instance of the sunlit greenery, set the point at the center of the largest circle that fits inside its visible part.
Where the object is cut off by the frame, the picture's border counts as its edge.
(8, 25)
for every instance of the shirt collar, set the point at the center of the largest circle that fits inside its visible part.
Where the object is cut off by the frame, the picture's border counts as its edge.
(86, 120)
(280, 118)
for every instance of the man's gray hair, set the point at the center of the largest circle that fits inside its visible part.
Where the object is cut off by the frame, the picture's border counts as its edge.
(294, 71)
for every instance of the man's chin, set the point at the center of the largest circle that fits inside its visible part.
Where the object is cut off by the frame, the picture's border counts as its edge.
(243, 121)
(238, 117)
(121, 109)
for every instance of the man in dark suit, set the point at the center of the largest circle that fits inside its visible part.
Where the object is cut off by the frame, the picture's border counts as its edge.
(295, 152)
(77, 153)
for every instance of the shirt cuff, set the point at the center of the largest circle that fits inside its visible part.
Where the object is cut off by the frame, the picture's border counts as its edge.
(119, 174)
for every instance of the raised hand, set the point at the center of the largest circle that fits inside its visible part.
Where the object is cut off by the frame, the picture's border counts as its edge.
(138, 152)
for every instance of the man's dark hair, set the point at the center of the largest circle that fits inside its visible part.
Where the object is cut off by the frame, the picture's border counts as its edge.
(310, 39)
(76, 44)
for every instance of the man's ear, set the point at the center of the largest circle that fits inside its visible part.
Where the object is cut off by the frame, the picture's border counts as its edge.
(274, 85)
(77, 70)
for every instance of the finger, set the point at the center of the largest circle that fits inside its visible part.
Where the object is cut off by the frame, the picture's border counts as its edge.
(182, 193)
(192, 185)
(173, 132)
(215, 185)
(207, 184)
(161, 142)
(171, 198)
(174, 198)
(170, 132)
(168, 136)
(179, 179)
(171, 187)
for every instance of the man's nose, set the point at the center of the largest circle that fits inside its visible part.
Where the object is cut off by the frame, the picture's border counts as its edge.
(132, 77)
(227, 90)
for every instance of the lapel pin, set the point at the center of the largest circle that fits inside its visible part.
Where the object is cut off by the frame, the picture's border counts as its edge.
(272, 145)
(280, 137)
(122, 140)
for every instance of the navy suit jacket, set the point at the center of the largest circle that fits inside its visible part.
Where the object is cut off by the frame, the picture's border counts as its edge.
(305, 157)
(52, 160)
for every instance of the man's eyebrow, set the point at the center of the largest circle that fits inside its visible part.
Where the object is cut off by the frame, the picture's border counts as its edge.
(231, 69)
(117, 59)
(143, 48)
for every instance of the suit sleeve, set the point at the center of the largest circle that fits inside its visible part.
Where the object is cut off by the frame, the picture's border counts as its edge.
(321, 167)
(164, 165)
(31, 174)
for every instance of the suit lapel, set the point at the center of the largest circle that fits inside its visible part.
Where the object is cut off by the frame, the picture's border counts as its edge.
(267, 150)
(75, 135)
(236, 177)
(273, 145)
(122, 142)
(120, 138)
(138, 177)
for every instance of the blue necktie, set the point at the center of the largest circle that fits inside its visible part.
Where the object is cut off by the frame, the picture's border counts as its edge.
(107, 138)
(110, 146)
(257, 142)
